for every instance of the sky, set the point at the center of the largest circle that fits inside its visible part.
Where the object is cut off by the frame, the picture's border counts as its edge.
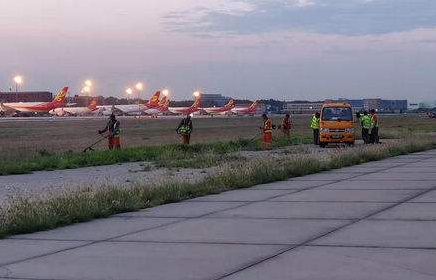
(282, 49)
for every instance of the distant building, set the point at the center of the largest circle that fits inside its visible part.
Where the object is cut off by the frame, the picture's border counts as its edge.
(383, 105)
(427, 105)
(356, 104)
(373, 103)
(302, 107)
(210, 100)
(393, 105)
(413, 106)
(29, 96)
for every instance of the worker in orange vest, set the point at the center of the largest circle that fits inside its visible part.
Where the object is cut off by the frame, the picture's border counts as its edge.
(286, 126)
(374, 137)
(266, 132)
(113, 127)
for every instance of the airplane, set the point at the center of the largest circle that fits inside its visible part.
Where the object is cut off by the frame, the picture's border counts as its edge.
(250, 110)
(132, 108)
(162, 108)
(77, 111)
(195, 107)
(220, 110)
(36, 107)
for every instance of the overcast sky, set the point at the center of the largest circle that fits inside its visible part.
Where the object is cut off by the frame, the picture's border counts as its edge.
(284, 49)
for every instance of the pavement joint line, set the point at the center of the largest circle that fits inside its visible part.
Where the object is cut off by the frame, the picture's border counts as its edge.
(266, 218)
(402, 220)
(304, 201)
(167, 242)
(421, 202)
(26, 278)
(372, 247)
(310, 240)
(200, 242)
(334, 201)
(413, 172)
(182, 220)
(368, 189)
(353, 189)
(93, 242)
(394, 180)
(87, 243)
(307, 242)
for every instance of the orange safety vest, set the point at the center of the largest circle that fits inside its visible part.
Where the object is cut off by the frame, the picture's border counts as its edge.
(286, 124)
(374, 120)
(267, 126)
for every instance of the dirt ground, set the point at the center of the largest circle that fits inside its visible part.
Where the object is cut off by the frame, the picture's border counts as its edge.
(25, 137)
(48, 183)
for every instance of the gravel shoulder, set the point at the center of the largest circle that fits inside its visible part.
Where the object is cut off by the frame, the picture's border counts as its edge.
(127, 174)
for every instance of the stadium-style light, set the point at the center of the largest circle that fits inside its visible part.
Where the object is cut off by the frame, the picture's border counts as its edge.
(196, 93)
(18, 81)
(139, 86)
(88, 83)
(129, 91)
(165, 92)
(86, 89)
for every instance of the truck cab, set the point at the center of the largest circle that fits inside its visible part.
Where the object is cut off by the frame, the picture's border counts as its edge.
(336, 124)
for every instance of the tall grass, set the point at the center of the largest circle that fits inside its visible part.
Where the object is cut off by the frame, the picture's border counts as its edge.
(26, 215)
(162, 154)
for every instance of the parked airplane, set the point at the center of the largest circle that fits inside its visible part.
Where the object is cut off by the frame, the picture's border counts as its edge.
(187, 110)
(250, 110)
(132, 108)
(162, 108)
(220, 110)
(77, 111)
(36, 107)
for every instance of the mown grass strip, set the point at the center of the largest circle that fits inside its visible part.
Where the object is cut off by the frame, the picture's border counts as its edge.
(162, 154)
(26, 215)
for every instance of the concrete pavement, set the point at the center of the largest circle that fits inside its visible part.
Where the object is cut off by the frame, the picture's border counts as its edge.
(369, 222)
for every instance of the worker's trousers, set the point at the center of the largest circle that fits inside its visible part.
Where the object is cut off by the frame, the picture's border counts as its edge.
(365, 135)
(374, 136)
(186, 138)
(316, 136)
(114, 142)
(286, 133)
(266, 140)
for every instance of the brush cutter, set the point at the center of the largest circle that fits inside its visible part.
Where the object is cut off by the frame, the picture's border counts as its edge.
(255, 137)
(260, 134)
(91, 147)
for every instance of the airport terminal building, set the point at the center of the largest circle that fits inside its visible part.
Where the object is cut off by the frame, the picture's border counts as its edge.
(213, 100)
(302, 107)
(380, 105)
(26, 96)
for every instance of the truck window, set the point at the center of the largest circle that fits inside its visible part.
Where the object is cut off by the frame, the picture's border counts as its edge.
(337, 114)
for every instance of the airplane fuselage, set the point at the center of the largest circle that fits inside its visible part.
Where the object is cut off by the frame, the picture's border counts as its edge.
(75, 111)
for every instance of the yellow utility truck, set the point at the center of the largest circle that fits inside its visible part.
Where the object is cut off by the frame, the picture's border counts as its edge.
(336, 124)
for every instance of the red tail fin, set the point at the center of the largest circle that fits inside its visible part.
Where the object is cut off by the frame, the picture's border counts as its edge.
(163, 104)
(93, 105)
(230, 104)
(154, 100)
(60, 96)
(196, 103)
(254, 105)
(163, 101)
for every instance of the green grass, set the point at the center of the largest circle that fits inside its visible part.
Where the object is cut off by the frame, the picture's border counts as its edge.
(25, 215)
(174, 155)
